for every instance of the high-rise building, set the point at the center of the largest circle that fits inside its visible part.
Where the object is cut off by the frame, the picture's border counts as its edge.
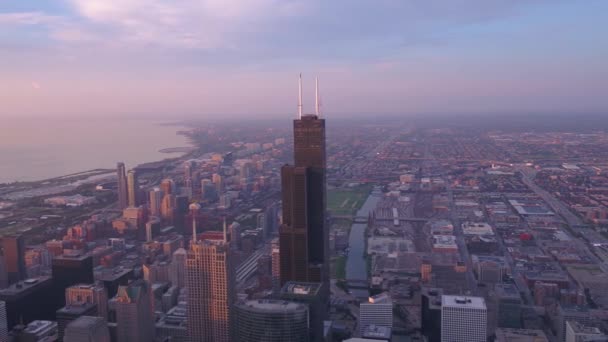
(123, 192)
(463, 319)
(13, 252)
(156, 199)
(271, 321)
(431, 314)
(304, 238)
(577, 332)
(133, 188)
(378, 311)
(509, 306)
(158, 272)
(30, 300)
(311, 295)
(69, 271)
(3, 323)
(88, 293)
(87, 329)
(134, 316)
(70, 313)
(217, 180)
(177, 270)
(166, 186)
(210, 280)
(571, 313)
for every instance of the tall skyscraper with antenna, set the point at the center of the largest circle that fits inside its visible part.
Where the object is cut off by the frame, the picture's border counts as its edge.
(210, 279)
(123, 192)
(304, 237)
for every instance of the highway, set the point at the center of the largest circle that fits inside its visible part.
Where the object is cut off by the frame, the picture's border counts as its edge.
(528, 175)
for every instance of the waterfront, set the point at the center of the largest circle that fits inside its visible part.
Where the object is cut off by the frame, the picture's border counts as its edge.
(59, 147)
(356, 265)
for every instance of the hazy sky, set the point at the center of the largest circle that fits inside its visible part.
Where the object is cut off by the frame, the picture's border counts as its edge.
(242, 57)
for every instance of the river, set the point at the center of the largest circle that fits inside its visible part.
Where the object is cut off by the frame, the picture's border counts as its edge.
(356, 267)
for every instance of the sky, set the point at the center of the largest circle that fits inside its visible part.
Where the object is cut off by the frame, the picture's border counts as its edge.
(241, 58)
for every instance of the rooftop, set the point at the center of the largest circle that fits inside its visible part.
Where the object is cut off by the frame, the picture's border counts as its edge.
(270, 305)
(301, 288)
(463, 302)
(85, 322)
(25, 285)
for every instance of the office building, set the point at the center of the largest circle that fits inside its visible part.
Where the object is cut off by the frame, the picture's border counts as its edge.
(29, 300)
(463, 319)
(304, 237)
(87, 329)
(88, 293)
(133, 188)
(166, 186)
(431, 313)
(173, 324)
(70, 313)
(37, 331)
(177, 269)
(13, 253)
(378, 311)
(309, 294)
(3, 323)
(520, 335)
(152, 228)
(134, 316)
(377, 333)
(271, 321)
(577, 332)
(210, 280)
(158, 272)
(122, 189)
(573, 313)
(509, 306)
(156, 199)
(71, 270)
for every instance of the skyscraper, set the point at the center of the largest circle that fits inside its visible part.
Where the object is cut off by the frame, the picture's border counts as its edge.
(123, 194)
(166, 186)
(304, 238)
(177, 270)
(156, 198)
(378, 312)
(134, 313)
(463, 319)
(13, 252)
(133, 188)
(210, 280)
(69, 271)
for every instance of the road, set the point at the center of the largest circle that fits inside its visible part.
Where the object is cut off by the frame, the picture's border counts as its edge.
(528, 175)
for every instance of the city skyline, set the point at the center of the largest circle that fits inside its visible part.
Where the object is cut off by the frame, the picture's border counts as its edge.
(92, 58)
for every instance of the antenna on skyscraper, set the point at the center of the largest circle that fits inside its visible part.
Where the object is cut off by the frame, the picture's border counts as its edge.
(225, 239)
(194, 210)
(300, 97)
(317, 99)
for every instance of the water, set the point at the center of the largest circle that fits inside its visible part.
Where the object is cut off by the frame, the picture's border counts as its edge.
(356, 267)
(34, 149)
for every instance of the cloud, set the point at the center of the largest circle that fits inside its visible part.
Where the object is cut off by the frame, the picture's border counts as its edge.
(35, 85)
(265, 28)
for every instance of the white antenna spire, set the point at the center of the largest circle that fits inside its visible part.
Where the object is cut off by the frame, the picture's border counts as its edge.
(317, 103)
(194, 229)
(300, 97)
(225, 239)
